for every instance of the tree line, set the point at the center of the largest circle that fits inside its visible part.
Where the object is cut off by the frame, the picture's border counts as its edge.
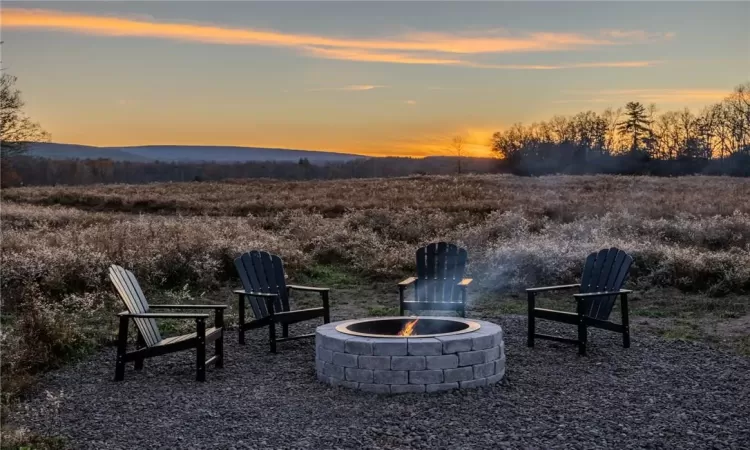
(30, 171)
(634, 140)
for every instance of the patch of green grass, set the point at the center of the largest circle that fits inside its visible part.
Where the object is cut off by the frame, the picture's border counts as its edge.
(329, 276)
(649, 312)
(743, 345)
(682, 330)
(29, 441)
(381, 311)
(495, 305)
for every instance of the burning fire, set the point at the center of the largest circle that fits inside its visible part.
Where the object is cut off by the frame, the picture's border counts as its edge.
(408, 329)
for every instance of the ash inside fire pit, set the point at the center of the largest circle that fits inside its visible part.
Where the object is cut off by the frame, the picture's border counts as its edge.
(407, 327)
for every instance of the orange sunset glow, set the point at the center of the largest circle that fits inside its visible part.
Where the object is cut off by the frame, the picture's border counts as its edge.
(342, 77)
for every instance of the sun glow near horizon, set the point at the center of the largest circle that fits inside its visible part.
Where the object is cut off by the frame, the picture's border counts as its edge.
(353, 78)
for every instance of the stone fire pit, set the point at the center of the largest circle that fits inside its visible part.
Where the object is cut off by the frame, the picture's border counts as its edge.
(443, 353)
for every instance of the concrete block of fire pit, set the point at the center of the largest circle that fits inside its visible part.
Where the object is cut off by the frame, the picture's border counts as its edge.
(323, 354)
(470, 384)
(442, 353)
(359, 346)
(389, 347)
(441, 362)
(455, 343)
(374, 362)
(333, 371)
(344, 359)
(491, 354)
(499, 371)
(359, 375)
(484, 370)
(483, 341)
(470, 358)
(459, 374)
(391, 376)
(424, 346)
(425, 376)
(441, 387)
(407, 363)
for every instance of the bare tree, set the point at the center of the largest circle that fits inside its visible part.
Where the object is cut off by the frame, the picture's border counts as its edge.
(457, 145)
(16, 128)
(612, 119)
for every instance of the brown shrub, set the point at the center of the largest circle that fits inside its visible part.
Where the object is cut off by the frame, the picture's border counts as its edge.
(692, 233)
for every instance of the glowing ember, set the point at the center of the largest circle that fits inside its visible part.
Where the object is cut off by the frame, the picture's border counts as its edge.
(408, 328)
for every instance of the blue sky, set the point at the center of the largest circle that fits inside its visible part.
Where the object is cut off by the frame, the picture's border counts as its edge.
(377, 78)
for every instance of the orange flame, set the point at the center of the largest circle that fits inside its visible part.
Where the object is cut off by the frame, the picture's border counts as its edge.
(408, 328)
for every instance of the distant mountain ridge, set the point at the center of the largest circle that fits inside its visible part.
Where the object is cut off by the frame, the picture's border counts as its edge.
(185, 153)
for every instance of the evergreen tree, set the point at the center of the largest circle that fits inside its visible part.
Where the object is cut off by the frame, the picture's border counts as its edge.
(637, 125)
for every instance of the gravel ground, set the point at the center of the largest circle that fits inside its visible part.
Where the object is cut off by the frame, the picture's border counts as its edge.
(657, 394)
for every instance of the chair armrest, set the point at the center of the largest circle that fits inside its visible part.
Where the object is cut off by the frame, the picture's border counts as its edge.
(465, 282)
(407, 282)
(307, 288)
(163, 315)
(187, 306)
(601, 294)
(553, 288)
(255, 294)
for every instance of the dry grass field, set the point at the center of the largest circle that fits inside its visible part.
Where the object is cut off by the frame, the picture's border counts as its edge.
(690, 238)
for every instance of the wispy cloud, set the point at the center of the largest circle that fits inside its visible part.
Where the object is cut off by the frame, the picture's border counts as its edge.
(388, 57)
(647, 95)
(637, 35)
(410, 102)
(590, 65)
(449, 49)
(352, 87)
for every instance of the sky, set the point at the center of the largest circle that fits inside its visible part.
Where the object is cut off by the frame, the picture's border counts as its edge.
(374, 78)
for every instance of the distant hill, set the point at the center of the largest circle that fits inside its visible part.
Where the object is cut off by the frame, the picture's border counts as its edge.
(185, 153)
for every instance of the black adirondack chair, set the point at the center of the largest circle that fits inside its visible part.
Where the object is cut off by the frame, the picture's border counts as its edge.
(150, 343)
(439, 284)
(604, 274)
(264, 282)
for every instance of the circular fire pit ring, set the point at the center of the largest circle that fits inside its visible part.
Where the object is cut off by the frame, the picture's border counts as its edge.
(443, 353)
(391, 326)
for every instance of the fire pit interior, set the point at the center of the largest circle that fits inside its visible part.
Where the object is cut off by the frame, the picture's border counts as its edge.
(394, 355)
(405, 327)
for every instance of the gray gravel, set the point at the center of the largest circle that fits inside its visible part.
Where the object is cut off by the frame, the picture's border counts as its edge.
(657, 394)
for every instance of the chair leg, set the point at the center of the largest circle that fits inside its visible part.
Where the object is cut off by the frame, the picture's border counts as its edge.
(582, 339)
(625, 321)
(532, 319)
(400, 300)
(463, 301)
(272, 336)
(582, 335)
(200, 353)
(326, 307)
(140, 344)
(219, 343)
(271, 324)
(241, 310)
(122, 347)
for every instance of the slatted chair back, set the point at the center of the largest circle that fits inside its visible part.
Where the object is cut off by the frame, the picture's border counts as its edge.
(132, 295)
(263, 272)
(440, 267)
(605, 270)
